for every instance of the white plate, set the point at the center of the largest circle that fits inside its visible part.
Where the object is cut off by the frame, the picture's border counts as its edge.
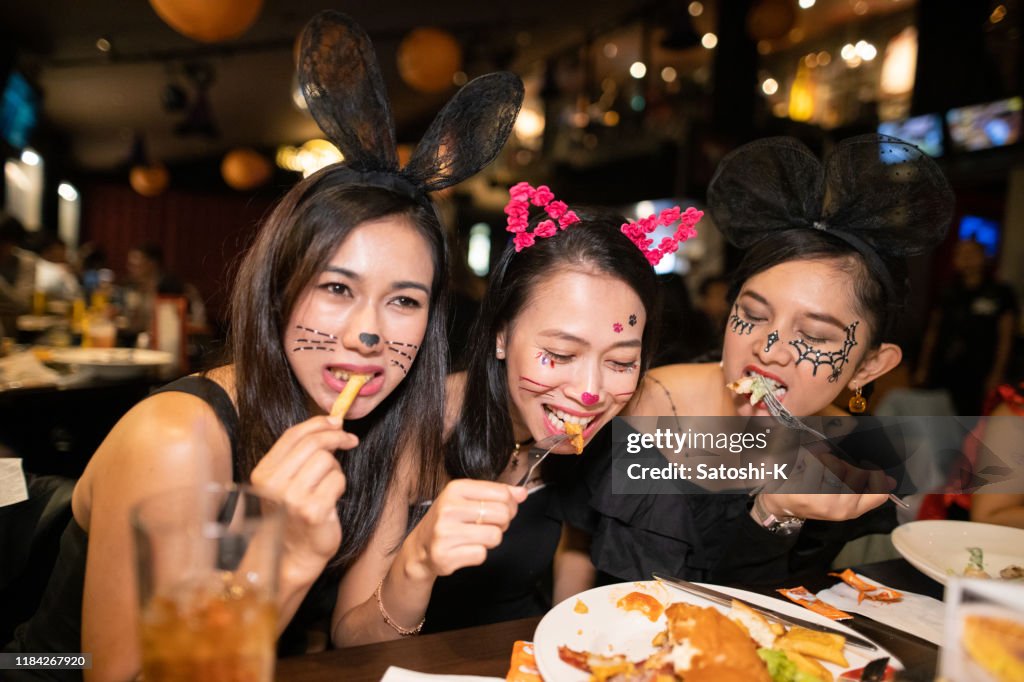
(939, 548)
(607, 629)
(112, 362)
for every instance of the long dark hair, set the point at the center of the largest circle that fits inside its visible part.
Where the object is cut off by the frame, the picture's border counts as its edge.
(482, 439)
(880, 308)
(292, 248)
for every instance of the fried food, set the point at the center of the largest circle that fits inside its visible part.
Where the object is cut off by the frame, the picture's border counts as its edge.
(755, 625)
(996, 645)
(348, 394)
(644, 603)
(823, 645)
(709, 646)
(576, 432)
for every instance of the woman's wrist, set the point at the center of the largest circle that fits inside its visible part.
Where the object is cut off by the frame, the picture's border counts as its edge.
(413, 564)
(300, 573)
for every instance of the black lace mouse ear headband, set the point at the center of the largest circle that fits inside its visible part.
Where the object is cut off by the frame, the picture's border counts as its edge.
(882, 196)
(342, 84)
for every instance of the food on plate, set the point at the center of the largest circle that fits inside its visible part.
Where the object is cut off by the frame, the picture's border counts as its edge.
(348, 394)
(823, 645)
(866, 590)
(757, 385)
(755, 625)
(642, 602)
(857, 673)
(975, 563)
(575, 431)
(580, 607)
(1014, 572)
(996, 644)
(701, 644)
(805, 598)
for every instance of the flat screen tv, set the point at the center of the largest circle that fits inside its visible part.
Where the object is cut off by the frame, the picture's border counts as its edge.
(923, 131)
(19, 111)
(984, 126)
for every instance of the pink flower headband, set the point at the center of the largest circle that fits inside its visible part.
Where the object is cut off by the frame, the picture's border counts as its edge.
(523, 195)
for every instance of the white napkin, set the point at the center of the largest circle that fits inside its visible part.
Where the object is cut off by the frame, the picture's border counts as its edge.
(12, 481)
(395, 674)
(917, 614)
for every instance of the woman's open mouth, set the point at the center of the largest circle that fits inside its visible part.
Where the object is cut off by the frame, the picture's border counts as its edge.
(757, 384)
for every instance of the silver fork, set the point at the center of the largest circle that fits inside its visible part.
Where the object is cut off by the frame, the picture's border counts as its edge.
(540, 450)
(786, 418)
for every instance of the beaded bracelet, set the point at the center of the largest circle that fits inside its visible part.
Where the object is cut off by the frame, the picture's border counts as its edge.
(404, 632)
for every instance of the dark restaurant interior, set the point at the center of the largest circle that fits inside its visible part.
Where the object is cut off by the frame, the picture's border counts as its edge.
(144, 144)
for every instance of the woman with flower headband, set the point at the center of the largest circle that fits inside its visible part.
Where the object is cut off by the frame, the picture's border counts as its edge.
(815, 303)
(347, 276)
(564, 335)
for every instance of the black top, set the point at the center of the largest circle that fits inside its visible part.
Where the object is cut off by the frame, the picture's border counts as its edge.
(56, 625)
(702, 537)
(965, 347)
(514, 581)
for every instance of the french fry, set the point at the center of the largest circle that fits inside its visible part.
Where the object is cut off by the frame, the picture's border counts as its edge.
(576, 431)
(348, 394)
(809, 666)
(823, 645)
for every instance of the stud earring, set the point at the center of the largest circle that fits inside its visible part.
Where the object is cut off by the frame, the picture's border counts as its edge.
(858, 403)
(499, 353)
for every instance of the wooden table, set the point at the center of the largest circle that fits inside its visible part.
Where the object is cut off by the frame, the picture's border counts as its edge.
(485, 650)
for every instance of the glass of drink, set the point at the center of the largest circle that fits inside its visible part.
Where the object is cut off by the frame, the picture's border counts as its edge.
(207, 562)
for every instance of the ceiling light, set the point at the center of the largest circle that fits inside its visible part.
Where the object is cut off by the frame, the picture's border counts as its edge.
(695, 9)
(710, 40)
(806, 4)
(638, 70)
(668, 74)
(30, 158)
(770, 86)
(67, 191)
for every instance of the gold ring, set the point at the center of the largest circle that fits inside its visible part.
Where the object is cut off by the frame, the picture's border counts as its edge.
(482, 514)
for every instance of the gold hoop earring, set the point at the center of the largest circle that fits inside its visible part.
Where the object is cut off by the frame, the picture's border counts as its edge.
(858, 403)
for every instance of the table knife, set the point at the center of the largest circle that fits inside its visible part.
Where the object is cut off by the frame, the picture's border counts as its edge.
(726, 600)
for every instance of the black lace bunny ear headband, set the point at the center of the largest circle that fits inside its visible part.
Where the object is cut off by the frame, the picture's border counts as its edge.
(882, 196)
(342, 83)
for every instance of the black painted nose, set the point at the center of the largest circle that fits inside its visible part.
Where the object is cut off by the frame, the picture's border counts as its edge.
(369, 340)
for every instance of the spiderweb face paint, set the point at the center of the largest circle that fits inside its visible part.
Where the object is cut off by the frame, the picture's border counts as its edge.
(737, 324)
(836, 359)
(773, 338)
(318, 340)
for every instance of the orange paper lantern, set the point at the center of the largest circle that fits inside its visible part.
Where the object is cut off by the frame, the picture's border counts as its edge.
(150, 180)
(208, 21)
(428, 59)
(245, 169)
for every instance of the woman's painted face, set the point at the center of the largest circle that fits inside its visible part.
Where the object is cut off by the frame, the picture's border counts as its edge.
(573, 353)
(365, 313)
(795, 323)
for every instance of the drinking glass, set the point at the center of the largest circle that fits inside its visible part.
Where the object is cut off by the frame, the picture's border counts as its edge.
(207, 561)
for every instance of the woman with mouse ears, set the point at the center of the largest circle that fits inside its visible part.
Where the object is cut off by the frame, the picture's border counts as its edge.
(564, 334)
(347, 276)
(815, 305)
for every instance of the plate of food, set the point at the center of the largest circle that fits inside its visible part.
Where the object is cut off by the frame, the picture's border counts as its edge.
(634, 631)
(940, 549)
(112, 363)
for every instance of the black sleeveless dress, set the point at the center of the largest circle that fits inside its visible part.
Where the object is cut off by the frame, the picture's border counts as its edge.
(56, 627)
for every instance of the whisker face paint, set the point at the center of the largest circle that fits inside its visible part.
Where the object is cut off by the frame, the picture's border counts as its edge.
(318, 333)
(836, 359)
(396, 363)
(737, 324)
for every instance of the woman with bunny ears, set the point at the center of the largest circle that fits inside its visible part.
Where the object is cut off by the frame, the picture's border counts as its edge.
(347, 276)
(815, 303)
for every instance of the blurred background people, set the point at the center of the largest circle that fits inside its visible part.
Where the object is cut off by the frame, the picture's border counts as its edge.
(145, 280)
(17, 274)
(54, 276)
(969, 340)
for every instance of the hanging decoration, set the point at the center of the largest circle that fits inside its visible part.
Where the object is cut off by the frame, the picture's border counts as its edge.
(149, 180)
(771, 19)
(428, 59)
(245, 169)
(208, 21)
